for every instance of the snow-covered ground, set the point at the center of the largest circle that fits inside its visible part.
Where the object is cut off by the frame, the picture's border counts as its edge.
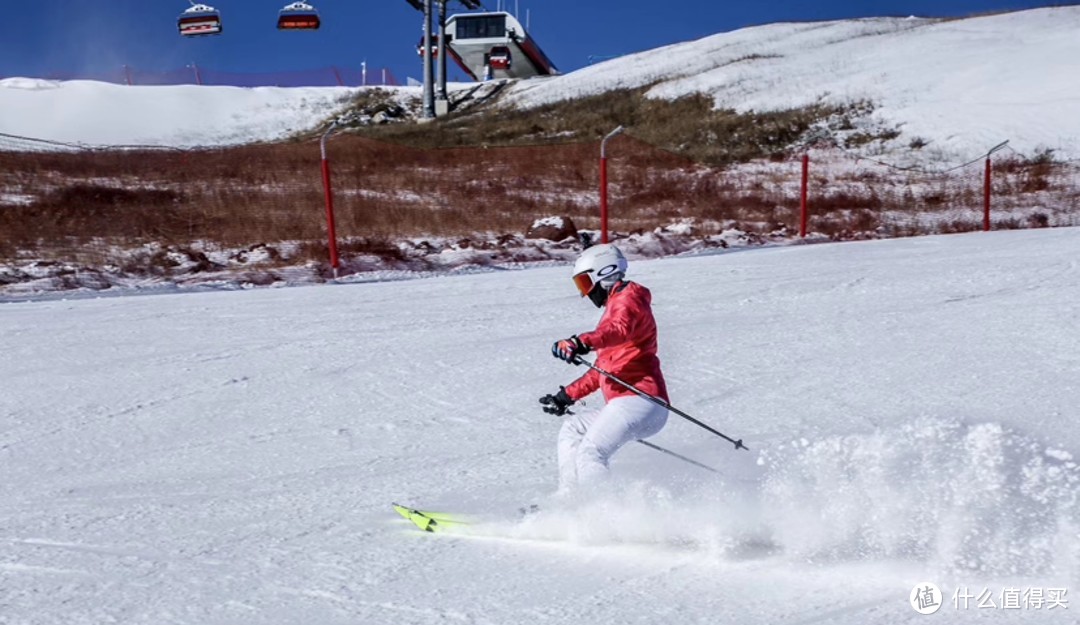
(104, 114)
(161, 268)
(911, 408)
(962, 86)
(958, 86)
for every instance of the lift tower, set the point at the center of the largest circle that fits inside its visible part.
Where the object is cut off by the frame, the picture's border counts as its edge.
(425, 7)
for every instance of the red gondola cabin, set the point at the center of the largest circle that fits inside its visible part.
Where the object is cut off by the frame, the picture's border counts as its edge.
(500, 58)
(299, 16)
(198, 20)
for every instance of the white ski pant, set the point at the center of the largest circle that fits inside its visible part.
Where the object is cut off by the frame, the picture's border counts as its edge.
(588, 440)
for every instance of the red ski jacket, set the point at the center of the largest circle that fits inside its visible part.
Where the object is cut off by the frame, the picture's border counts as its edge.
(625, 346)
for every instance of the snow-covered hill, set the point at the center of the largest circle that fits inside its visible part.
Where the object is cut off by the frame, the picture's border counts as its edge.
(231, 457)
(962, 85)
(104, 114)
(957, 86)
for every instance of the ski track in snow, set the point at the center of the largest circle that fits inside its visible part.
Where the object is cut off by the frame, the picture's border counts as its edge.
(230, 457)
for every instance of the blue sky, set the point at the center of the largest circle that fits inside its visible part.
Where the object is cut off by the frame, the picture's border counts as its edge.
(46, 36)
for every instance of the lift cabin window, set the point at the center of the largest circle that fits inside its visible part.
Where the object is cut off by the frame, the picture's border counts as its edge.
(298, 22)
(481, 27)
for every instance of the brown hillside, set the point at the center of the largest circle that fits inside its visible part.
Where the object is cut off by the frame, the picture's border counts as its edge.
(478, 172)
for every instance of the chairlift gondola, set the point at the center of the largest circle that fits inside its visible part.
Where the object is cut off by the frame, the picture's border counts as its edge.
(199, 19)
(298, 16)
(434, 47)
(500, 58)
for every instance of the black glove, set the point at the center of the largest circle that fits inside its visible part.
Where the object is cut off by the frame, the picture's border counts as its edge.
(558, 403)
(569, 349)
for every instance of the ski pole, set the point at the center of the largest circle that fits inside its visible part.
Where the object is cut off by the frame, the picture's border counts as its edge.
(578, 360)
(671, 453)
(680, 457)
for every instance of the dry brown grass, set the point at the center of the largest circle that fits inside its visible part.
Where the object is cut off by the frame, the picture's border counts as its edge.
(690, 126)
(274, 192)
(411, 180)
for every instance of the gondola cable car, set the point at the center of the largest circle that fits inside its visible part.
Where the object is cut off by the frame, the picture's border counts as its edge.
(199, 19)
(500, 58)
(434, 47)
(298, 16)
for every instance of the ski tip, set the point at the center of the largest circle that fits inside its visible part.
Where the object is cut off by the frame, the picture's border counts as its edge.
(418, 518)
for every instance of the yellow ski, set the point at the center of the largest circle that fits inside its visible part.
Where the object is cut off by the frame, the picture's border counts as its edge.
(427, 520)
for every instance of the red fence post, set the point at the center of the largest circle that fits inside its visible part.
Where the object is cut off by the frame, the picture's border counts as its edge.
(603, 184)
(331, 233)
(603, 199)
(986, 185)
(803, 192)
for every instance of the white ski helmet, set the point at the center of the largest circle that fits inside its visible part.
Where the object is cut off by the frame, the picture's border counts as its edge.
(600, 264)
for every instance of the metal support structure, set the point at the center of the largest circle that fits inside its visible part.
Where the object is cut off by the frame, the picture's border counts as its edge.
(604, 184)
(331, 233)
(424, 6)
(442, 50)
(429, 83)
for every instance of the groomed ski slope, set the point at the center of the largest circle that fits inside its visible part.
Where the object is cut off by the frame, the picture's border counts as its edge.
(230, 457)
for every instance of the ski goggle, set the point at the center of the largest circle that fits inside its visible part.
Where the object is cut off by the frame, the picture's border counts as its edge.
(583, 282)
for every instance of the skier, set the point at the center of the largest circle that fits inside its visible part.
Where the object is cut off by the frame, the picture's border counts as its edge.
(625, 345)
